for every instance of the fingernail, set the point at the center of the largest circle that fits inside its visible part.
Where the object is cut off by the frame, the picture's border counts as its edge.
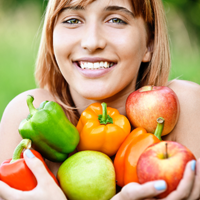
(29, 154)
(160, 185)
(193, 165)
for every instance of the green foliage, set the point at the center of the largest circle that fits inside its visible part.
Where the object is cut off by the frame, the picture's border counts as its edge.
(189, 11)
(18, 50)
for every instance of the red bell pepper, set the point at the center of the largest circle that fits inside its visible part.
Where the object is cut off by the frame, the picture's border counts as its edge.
(16, 173)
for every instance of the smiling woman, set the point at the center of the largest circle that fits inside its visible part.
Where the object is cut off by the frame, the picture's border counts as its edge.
(117, 26)
(101, 51)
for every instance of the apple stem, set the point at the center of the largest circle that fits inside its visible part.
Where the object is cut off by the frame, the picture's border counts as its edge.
(159, 128)
(146, 88)
(166, 152)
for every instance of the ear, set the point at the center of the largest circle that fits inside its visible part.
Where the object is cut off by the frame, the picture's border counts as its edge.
(148, 53)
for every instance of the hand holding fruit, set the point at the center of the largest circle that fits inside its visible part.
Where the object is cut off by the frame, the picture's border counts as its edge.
(188, 188)
(164, 161)
(46, 188)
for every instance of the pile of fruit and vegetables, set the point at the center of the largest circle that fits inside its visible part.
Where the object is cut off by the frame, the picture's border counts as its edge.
(139, 154)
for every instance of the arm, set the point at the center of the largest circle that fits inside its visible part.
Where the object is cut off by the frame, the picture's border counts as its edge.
(187, 129)
(15, 112)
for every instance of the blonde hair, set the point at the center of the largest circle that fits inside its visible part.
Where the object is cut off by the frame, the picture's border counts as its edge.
(155, 72)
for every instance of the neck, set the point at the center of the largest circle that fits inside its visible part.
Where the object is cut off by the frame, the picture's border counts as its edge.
(117, 101)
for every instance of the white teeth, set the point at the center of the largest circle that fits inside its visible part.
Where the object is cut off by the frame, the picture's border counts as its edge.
(101, 64)
(96, 65)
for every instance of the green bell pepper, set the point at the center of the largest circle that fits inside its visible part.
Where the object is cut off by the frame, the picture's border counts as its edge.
(52, 134)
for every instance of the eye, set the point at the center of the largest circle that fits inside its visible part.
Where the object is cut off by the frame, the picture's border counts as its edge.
(117, 21)
(72, 21)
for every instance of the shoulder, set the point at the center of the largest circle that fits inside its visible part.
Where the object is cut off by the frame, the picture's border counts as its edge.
(17, 107)
(188, 94)
(185, 88)
(38, 94)
(187, 129)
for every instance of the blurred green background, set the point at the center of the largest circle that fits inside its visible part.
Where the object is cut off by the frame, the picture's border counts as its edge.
(20, 29)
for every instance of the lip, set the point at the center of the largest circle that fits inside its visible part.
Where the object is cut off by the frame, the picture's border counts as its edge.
(96, 73)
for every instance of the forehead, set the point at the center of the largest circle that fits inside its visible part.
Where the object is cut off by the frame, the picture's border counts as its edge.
(106, 2)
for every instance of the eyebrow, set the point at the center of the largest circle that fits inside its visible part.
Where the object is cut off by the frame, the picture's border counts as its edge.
(108, 8)
(119, 8)
(73, 8)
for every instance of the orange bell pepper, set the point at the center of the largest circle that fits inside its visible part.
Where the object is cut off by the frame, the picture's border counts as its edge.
(125, 161)
(102, 129)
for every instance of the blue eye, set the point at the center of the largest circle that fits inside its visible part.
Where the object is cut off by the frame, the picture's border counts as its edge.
(72, 21)
(117, 21)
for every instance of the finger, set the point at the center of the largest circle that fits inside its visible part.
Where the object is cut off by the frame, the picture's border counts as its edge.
(134, 191)
(195, 194)
(37, 167)
(185, 186)
(7, 193)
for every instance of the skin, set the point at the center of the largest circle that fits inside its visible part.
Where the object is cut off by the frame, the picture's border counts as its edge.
(103, 36)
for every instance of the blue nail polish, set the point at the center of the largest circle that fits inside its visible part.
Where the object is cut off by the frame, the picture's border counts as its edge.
(160, 185)
(193, 165)
(29, 154)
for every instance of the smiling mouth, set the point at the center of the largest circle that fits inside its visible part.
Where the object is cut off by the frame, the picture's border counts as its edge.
(95, 65)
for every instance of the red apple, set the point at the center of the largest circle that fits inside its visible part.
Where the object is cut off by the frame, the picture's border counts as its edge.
(148, 103)
(164, 161)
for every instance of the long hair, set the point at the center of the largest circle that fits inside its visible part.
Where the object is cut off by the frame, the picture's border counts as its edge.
(155, 72)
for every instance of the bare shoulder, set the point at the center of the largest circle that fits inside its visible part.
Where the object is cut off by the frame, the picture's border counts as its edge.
(14, 113)
(185, 88)
(187, 129)
(18, 107)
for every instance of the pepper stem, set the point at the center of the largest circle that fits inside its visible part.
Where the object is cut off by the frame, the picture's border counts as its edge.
(104, 118)
(29, 101)
(159, 128)
(24, 144)
(104, 113)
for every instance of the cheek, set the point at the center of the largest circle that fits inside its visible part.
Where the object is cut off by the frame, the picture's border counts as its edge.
(130, 46)
(62, 43)
(57, 44)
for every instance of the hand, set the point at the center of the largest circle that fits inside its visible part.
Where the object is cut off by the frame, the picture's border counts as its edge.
(188, 188)
(135, 191)
(46, 188)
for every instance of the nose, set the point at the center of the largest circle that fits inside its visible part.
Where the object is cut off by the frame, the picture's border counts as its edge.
(93, 38)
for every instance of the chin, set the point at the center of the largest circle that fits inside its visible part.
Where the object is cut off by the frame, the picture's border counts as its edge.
(95, 94)
(96, 97)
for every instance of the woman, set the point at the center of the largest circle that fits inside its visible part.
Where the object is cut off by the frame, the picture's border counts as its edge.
(95, 51)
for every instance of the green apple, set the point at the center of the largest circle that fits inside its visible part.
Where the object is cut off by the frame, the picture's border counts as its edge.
(87, 175)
